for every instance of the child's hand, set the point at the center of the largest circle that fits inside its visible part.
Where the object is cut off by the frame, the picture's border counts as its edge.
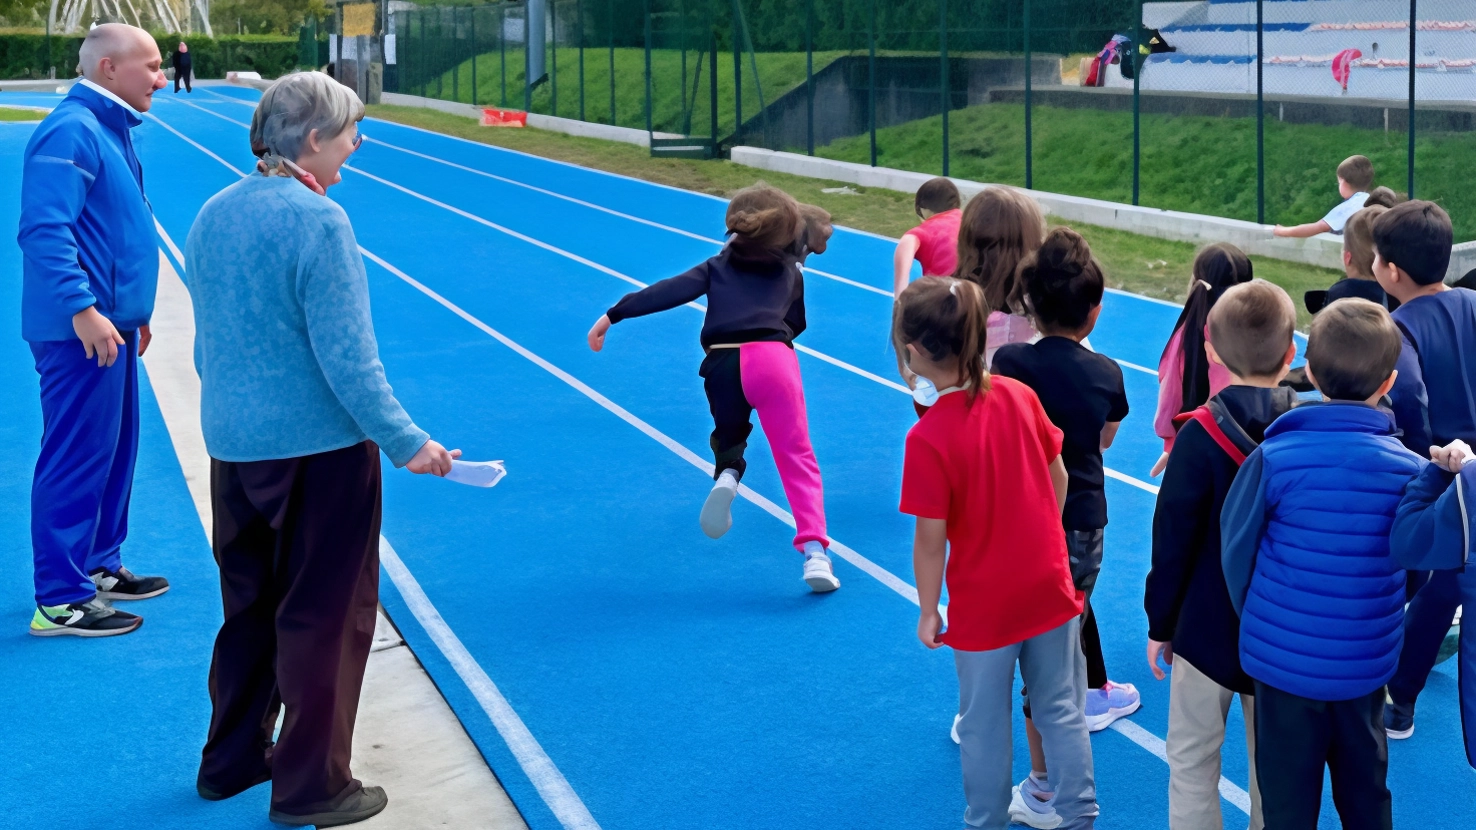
(928, 627)
(1157, 650)
(597, 333)
(1159, 466)
(1453, 456)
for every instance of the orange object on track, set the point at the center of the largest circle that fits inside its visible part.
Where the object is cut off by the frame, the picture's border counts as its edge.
(504, 118)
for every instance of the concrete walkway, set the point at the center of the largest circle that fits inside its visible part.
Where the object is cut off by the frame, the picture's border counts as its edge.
(407, 740)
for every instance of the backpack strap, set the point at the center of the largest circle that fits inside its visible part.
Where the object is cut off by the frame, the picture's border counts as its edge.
(1222, 429)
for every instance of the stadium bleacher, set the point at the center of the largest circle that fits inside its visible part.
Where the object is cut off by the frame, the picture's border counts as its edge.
(1216, 42)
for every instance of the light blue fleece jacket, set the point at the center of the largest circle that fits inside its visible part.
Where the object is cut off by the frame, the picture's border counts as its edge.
(284, 342)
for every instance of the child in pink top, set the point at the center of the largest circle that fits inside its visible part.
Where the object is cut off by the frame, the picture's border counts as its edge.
(1186, 376)
(934, 243)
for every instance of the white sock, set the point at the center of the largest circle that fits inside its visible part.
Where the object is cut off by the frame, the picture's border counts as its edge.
(814, 550)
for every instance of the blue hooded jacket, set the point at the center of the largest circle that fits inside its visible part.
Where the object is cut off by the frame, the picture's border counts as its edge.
(1305, 547)
(86, 229)
(1432, 531)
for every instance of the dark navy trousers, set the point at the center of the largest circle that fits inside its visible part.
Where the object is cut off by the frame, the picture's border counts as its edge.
(84, 475)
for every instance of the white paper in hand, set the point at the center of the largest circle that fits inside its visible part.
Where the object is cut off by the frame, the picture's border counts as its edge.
(477, 473)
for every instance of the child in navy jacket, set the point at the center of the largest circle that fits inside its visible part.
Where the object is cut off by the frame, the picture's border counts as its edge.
(1433, 531)
(1305, 548)
(1432, 400)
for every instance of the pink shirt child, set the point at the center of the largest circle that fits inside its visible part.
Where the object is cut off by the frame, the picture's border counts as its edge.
(937, 243)
(1171, 386)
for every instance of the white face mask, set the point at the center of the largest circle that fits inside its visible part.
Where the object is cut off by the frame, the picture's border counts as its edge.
(924, 392)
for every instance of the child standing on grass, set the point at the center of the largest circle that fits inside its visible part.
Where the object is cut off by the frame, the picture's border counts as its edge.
(934, 243)
(1082, 393)
(1355, 177)
(1433, 405)
(1305, 548)
(984, 476)
(1186, 376)
(755, 309)
(1191, 623)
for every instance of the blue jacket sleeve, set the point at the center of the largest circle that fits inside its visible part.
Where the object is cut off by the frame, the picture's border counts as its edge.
(1242, 523)
(1411, 403)
(1432, 527)
(334, 292)
(58, 171)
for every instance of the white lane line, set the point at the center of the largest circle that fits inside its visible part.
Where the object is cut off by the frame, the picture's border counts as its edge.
(1127, 365)
(545, 776)
(1127, 479)
(1151, 742)
(1137, 734)
(173, 249)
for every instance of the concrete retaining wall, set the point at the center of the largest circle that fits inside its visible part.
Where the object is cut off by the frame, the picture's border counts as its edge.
(1325, 250)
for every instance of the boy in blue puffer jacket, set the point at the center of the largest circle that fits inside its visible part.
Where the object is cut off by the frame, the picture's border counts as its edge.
(1305, 548)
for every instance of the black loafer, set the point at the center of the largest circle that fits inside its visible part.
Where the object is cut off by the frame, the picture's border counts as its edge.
(363, 803)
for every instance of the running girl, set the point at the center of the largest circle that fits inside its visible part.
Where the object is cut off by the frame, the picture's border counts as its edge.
(1000, 228)
(755, 309)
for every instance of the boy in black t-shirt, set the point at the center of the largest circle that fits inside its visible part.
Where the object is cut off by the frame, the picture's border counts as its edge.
(1082, 392)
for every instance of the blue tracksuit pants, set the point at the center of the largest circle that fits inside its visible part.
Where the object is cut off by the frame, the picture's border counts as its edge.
(84, 475)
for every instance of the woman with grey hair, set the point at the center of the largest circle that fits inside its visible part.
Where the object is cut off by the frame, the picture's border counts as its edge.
(295, 410)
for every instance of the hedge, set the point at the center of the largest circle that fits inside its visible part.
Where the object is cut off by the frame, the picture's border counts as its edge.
(23, 54)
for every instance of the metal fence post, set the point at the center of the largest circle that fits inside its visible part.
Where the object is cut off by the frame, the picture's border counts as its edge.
(1137, 104)
(474, 55)
(871, 81)
(611, 5)
(502, 48)
(1029, 138)
(579, 15)
(455, 73)
(737, 75)
(810, 77)
(527, 59)
(712, 67)
(1261, 111)
(647, 9)
(943, 73)
(553, 38)
(1413, 25)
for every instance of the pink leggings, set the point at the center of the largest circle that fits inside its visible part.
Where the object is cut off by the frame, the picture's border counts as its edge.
(766, 377)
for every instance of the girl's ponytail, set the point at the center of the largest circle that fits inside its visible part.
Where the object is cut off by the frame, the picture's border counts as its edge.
(945, 317)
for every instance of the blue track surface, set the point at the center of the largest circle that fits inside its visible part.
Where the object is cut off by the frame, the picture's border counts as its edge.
(671, 680)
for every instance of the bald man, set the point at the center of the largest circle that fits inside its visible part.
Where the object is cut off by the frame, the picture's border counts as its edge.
(88, 280)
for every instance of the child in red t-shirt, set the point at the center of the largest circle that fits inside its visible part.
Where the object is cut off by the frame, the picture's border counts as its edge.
(934, 243)
(985, 479)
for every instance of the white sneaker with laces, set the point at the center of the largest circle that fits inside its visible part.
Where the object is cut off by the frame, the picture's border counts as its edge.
(819, 574)
(1030, 811)
(717, 512)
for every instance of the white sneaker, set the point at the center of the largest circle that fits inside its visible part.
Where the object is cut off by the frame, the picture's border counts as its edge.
(1030, 811)
(717, 513)
(819, 574)
(953, 733)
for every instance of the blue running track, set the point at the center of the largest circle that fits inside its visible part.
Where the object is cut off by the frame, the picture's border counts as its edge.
(616, 667)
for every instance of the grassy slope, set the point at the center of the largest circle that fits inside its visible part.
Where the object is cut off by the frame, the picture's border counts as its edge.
(1152, 267)
(778, 72)
(1192, 163)
(9, 114)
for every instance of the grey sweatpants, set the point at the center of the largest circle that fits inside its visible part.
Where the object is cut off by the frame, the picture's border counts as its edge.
(1055, 670)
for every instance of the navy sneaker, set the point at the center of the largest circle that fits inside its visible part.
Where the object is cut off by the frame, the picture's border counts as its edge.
(357, 806)
(1398, 721)
(122, 584)
(93, 618)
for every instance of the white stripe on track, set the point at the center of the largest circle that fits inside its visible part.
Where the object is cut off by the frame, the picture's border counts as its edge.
(1143, 738)
(1151, 742)
(545, 776)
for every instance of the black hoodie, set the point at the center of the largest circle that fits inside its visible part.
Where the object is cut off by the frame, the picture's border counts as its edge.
(1186, 598)
(751, 296)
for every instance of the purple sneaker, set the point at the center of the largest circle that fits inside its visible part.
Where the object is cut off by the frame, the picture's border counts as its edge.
(1107, 704)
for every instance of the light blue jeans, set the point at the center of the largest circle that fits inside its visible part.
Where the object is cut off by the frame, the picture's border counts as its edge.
(1055, 670)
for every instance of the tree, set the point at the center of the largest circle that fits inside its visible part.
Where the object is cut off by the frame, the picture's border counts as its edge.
(261, 17)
